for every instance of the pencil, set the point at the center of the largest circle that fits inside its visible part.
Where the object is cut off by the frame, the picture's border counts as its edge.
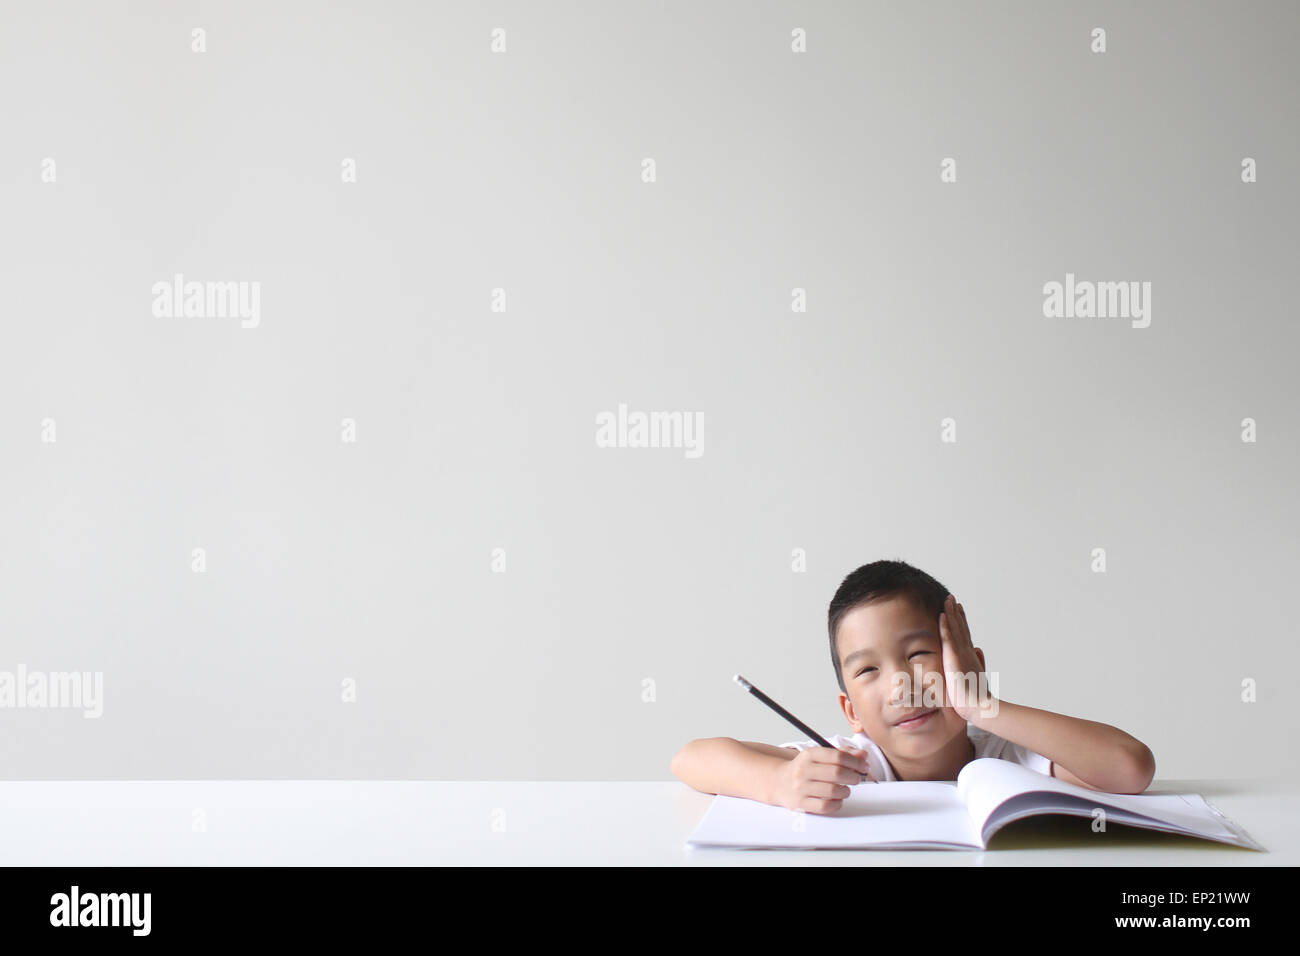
(822, 742)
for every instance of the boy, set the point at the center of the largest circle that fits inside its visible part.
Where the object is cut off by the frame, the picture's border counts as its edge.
(912, 687)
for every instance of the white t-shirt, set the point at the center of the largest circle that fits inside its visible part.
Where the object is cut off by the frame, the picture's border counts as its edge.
(986, 745)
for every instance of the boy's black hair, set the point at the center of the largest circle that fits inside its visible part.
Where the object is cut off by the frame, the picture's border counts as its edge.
(881, 579)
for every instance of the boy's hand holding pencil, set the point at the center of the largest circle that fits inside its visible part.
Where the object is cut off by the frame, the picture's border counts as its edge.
(819, 778)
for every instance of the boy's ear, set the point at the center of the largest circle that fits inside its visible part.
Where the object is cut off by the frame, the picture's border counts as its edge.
(846, 705)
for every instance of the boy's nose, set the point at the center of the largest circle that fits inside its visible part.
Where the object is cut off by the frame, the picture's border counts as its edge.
(910, 694)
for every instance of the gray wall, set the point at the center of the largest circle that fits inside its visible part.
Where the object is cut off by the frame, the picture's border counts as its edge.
(372, 561)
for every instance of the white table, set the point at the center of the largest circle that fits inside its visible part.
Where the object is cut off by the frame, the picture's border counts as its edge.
(338, 822)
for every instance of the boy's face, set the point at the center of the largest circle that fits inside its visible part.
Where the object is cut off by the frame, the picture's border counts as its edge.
(879, 643)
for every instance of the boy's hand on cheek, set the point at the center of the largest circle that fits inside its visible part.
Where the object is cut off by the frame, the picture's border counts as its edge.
(959, 661)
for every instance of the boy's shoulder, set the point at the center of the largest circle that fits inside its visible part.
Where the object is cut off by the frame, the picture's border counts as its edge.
(989, 744)
(982, 737)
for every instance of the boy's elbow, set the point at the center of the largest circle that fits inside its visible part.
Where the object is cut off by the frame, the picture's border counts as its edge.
(675, 763)
(1143, 769)
(679, 759)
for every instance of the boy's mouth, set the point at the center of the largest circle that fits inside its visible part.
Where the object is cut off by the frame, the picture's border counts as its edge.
(917, 719)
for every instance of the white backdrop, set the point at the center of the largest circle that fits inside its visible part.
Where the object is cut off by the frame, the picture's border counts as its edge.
(369, 528)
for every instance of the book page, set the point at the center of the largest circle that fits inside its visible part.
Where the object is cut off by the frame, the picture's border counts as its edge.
(898, 814)
(987, 783)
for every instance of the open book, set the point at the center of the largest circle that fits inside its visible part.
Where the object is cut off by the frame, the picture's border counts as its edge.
(940, 815)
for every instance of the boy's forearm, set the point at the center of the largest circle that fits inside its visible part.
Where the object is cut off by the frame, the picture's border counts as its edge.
(1105, 756)
(726, 766)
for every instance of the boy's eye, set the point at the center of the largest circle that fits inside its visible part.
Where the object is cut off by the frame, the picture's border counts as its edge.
(909, 657)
